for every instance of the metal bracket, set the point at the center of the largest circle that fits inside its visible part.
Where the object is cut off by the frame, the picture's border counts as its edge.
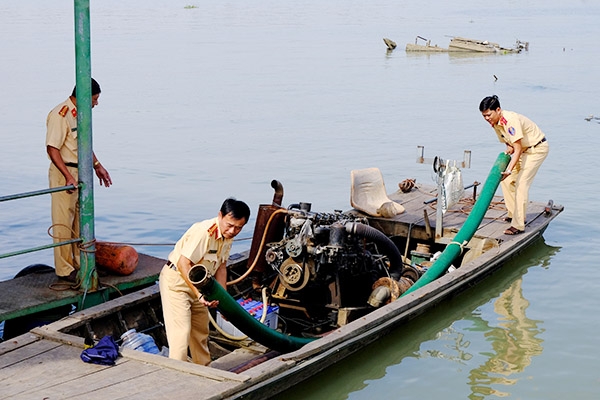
(439, 167)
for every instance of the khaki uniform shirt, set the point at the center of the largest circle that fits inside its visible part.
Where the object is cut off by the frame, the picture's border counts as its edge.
(513, 126)
(203, 244)
(61, 130)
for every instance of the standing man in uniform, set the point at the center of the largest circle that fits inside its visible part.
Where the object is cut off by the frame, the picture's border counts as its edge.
(61, 146)
(527, 145)
(184, 309)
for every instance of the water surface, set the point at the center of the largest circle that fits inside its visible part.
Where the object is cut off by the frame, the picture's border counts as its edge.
(217, 99)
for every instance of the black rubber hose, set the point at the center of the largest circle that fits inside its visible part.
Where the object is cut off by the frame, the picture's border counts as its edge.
(384, 243)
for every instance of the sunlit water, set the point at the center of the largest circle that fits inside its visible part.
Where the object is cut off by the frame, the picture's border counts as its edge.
(217, 99)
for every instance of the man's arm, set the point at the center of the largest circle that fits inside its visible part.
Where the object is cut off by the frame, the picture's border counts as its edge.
(221, 275)
(516, 154)
(58, 161)
(184, 265)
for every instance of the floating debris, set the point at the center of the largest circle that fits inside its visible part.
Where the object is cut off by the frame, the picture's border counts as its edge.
(389, 43)
(459, 44)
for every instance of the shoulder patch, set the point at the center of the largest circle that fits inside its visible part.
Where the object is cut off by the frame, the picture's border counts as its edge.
(213, 230)
(511, 131)
(63, 111)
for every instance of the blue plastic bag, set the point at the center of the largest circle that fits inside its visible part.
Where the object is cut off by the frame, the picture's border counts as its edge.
(105, 352)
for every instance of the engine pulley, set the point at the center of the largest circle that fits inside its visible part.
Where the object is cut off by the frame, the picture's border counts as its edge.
(293, 276)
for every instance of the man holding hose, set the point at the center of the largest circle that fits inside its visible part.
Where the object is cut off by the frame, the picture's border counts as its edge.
(185, 311)
(528, 148)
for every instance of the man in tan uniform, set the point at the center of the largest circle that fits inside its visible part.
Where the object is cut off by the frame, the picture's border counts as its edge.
(527, 145)
(61, 146)
(184, 310)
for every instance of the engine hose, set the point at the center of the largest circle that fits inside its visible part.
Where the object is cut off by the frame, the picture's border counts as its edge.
(389, 248)
(466, 232)
(263, 317)
(260, 248)
(235, 313)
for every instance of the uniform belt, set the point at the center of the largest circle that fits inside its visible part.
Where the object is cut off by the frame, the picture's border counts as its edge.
(538, 143)
(71, 164)
(171, 265)
(535, 145)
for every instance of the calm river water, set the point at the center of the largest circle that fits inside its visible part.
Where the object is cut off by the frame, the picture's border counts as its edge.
(203, 100)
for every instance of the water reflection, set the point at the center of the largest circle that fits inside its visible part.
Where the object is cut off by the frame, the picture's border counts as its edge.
(493, 349)
(514, 341)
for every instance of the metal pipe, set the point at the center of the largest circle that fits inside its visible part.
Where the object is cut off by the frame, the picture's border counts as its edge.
(31, 250)
(212, 290)
(87, 273)
(453, 249)
(36, 193)
(278, 195)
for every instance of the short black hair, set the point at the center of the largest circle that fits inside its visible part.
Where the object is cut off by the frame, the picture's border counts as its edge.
(237, 208)
(489, 103)
(95, 89)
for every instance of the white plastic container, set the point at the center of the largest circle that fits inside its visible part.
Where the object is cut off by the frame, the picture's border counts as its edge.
(139, 341)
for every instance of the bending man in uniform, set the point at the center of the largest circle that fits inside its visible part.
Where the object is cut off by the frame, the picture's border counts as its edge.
(527, 145)
(184, 309)
(61, 146)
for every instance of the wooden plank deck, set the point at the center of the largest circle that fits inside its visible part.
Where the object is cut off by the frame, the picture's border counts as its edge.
(46, 369)
(44, 291)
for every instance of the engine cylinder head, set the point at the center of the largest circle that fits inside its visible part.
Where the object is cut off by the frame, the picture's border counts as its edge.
(337, 233)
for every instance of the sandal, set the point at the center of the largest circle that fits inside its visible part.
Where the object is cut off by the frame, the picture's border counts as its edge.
(512, 231)
(507, 219)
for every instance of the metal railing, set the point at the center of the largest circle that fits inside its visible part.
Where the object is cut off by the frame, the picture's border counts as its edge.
(33, 194)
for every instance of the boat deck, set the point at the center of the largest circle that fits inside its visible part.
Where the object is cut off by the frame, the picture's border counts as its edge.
(420, 217)
(44, 291)
(36, 368)
(45, 362)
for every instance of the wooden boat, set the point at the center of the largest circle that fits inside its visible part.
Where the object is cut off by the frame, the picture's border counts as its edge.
(459, 44)
(426, 46)
(321, 278)
(484, 46)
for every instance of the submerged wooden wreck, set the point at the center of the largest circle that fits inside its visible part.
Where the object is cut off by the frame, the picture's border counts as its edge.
(330, 284)
(464, 45)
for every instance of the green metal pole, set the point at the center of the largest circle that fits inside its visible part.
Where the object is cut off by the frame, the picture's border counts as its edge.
(87, 274)
(453, 250)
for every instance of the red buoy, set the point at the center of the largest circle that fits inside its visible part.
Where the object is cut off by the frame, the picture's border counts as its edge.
(120, 259)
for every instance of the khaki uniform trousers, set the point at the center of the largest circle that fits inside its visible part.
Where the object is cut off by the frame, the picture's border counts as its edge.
(65, 221)
(186, 319)
(516, 187)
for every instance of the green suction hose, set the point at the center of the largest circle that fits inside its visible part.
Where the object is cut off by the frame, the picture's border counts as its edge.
(212, 290)
(453, 249)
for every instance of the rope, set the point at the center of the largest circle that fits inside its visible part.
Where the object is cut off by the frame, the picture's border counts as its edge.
(88, 244)
(461, 245)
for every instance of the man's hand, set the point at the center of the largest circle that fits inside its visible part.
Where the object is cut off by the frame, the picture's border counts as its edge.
(505, 175)
(209, 304)
(103, 175)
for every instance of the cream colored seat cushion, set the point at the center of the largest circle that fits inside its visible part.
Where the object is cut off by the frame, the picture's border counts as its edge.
(368, 194)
